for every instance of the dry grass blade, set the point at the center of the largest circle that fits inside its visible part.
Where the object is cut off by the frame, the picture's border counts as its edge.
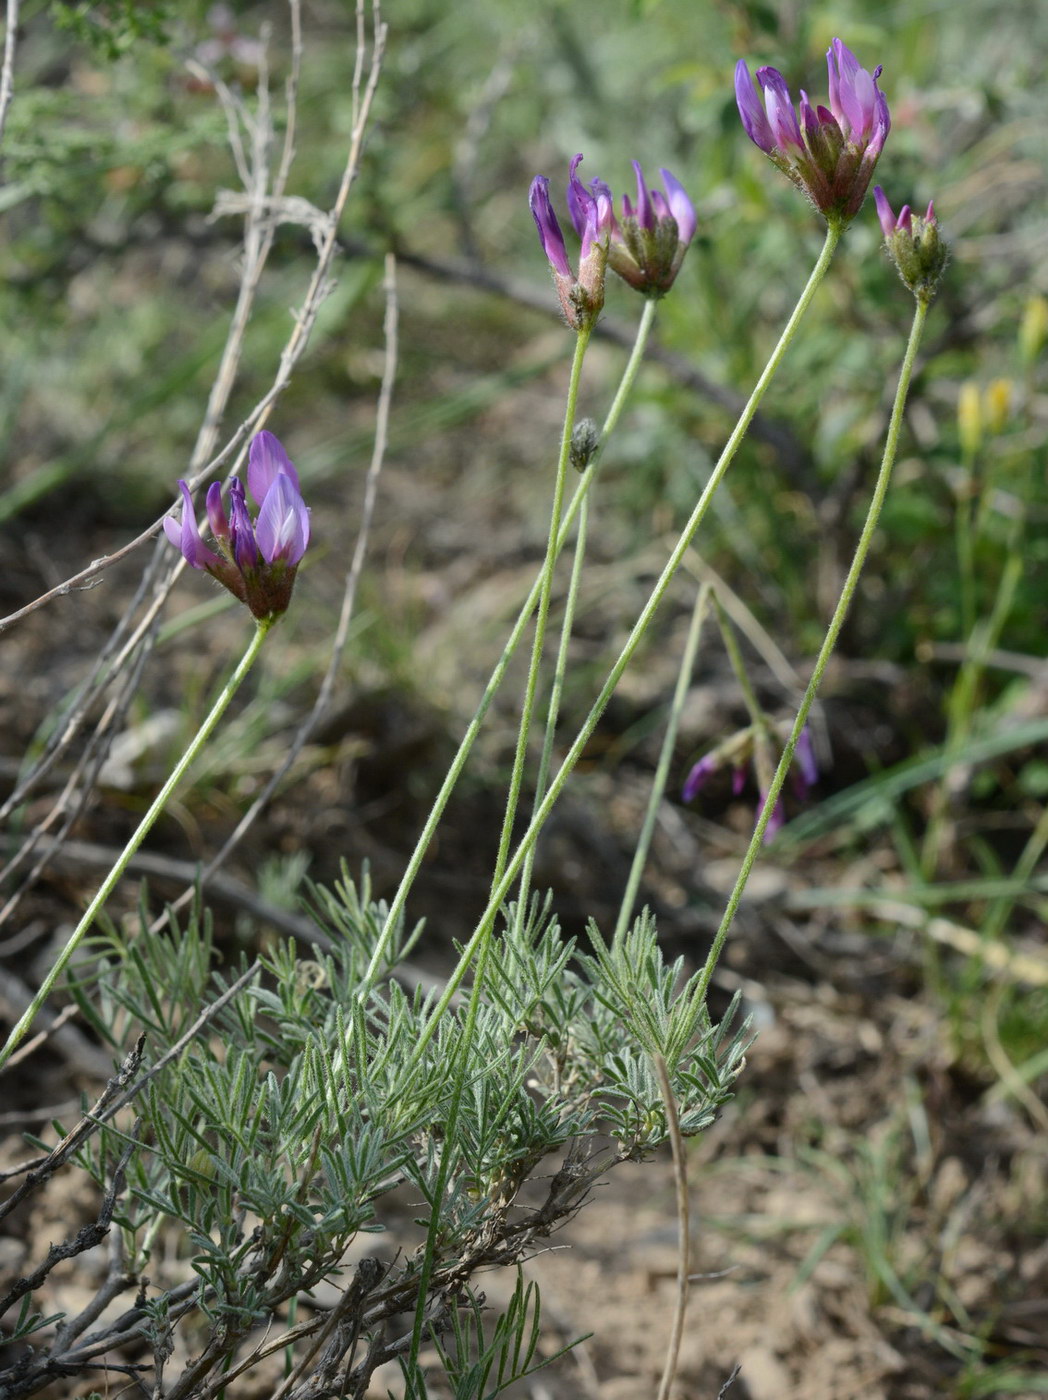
(680, 1178)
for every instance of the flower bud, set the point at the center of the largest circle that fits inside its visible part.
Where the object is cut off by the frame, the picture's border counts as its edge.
(585, 439)
(997, 402)
(914, 245)
(582, 295)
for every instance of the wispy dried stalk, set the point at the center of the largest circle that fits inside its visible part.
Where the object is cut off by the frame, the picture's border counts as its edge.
(322, 703)
(7, 71)
(263, 207)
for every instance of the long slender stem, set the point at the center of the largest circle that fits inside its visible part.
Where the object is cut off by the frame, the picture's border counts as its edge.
(483, 928)
(731, 645)
(454, 772)
(880, 491)
(658, 786)
(556, 691)
(557, 539)
(545, 592)
(760, 728)
(680, 1181)
(159, 803)
(7, 69)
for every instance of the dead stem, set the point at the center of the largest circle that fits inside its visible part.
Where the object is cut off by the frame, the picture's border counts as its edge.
(680, 1178)
(262, 208)
(7, 72)
(323, 701)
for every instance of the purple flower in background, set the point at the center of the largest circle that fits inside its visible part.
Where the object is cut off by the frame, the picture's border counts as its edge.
(256, 560)
(700, 776)
(914, 244)
(807, 770)
(830, 154)
(649, 242)
(777, 818)
(581, 296)
(749, 748)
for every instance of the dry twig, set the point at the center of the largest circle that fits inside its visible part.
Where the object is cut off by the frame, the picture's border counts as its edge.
(323, 701)
(7, 71)
(680, 1178)
(263, 196)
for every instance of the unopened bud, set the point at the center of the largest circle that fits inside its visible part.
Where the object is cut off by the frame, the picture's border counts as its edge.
(914, 245)
(585, 439)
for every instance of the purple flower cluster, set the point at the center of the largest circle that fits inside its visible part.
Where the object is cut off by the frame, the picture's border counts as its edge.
(830, 154)
(257, 560)
(738, 753)
(646, 246)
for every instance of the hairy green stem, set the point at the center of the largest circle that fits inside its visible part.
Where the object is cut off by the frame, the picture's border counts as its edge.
(542, 616)
(541, 590)
(556, 691)
(414, 864)
(840, 612)
(159, 803)
(731, 645)
(760, 728)
(658, 786)
(483, 929)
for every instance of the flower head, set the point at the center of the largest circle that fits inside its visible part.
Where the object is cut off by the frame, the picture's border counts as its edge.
(750, 748)
(581, 296)
(828, 153)
(256, 560)
(648, 243)
(914, 245)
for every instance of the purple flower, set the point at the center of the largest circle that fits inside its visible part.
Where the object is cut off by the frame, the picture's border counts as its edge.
(889, 223)
(648, 244)
(550, 236)
(829, 153)
(807, 774)
(267, 460)
(750, 748)
(256, 560)
(914, 244)
(581, 296)
(699, 776)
